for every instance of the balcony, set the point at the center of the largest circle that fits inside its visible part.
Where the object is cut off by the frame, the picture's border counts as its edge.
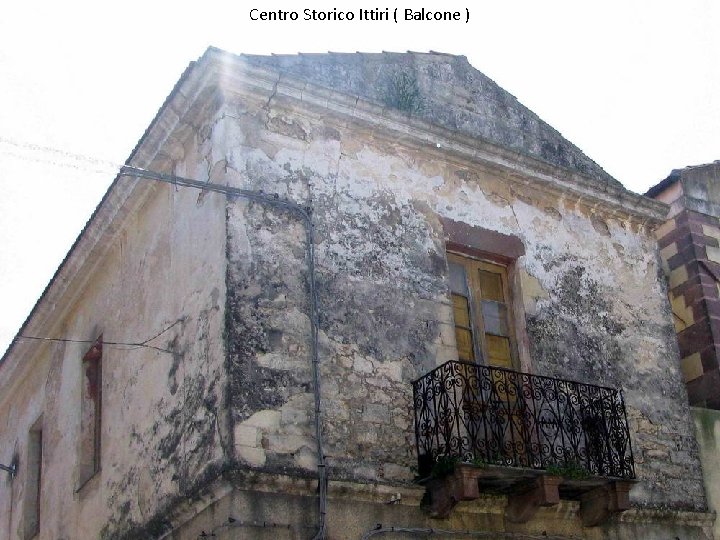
(532, 438)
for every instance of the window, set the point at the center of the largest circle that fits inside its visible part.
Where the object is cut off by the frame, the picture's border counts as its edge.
(91, 412)
(33, 481)
(481, 308)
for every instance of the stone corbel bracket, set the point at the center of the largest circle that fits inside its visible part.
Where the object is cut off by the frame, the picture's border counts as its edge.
(598, 501)
(523, 505)
(446, 492)
(597, 505)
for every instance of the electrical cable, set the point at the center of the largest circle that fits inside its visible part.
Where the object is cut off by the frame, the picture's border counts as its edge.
(112, 343)
(69, 159)
(58, 163)
(304, 213)
(39, 148)
(467, 533)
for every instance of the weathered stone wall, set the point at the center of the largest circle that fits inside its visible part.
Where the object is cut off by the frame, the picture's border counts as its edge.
(444, 90)
(690, 250)
(163, 409)
(275, 508)
(594, 308)
(268, 329)
(230, 395)
(707, 427)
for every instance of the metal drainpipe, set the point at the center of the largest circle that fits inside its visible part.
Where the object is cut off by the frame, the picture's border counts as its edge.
(305, 213)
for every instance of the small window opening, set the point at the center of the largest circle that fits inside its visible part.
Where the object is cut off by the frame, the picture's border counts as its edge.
(91, 412)
(33, 481)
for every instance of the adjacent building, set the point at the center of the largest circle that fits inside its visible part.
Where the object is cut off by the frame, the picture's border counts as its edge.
(345, 296)
(690, 250)
(689, 242)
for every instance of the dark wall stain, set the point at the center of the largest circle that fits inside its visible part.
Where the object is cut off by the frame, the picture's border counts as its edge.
(384, 321)
(576, 333)
(183, 439)
(261, 285)
(160, 523)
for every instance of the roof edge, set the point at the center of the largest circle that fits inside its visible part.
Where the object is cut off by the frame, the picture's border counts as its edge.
(673, 177)
(94, 217)
(585, 187)
(273, 83)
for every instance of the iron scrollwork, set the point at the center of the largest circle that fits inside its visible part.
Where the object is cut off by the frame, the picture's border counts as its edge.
(496, 416)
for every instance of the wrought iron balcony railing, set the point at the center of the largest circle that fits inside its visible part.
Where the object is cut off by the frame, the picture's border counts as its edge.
(489, 415)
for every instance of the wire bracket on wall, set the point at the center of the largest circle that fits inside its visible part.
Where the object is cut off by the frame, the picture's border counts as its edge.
(10, 469)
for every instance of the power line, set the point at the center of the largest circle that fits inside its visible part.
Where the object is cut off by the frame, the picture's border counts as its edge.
(58, 163)
(304, 213)
(64, 340)
(113, 343)
(49, 149)
(73, 160)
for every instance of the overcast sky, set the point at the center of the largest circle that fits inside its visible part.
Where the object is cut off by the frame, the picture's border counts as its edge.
(636, 85)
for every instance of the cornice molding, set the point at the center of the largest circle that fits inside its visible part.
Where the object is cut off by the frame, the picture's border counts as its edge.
(217, 77)
(233, 75)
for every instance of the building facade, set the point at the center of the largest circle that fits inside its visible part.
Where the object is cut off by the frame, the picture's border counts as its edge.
(689, 249)
(347, 296)
(690, 254)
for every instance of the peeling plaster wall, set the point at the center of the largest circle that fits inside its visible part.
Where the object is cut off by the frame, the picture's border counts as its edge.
(21, 413)
(445, 90)
(595, 310)
(235, 392)
(163, 413)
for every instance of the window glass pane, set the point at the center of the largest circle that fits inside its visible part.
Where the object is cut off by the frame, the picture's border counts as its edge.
(495, 318)
(464, 344)
(479, 289)
(463, 333)
(458, 283)
(498, 351)
(491, 286)
(461, 310)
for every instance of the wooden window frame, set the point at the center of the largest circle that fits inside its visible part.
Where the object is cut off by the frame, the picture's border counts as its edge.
(90, 441)
(33, 481)
(471, 265)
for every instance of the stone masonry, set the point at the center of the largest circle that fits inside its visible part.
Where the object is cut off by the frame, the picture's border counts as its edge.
(391, 155)
(690, 250)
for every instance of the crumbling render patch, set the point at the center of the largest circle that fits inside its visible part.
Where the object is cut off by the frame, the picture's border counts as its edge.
(575, 330)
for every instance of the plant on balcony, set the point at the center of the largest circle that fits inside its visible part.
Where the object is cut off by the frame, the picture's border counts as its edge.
(570, 470)
(443, 466)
